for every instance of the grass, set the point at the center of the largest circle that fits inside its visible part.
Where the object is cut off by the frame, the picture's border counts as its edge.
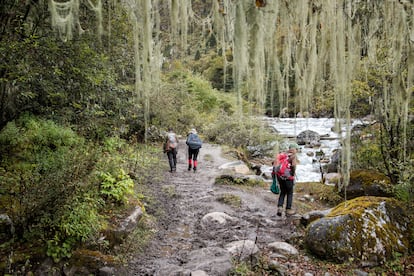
(229, 199)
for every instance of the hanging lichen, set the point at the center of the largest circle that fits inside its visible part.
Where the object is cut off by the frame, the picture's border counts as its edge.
(65, 17)
(290, 51)
(98, 11)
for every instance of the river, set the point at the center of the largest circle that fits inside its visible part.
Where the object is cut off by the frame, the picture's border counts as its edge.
(308, 170)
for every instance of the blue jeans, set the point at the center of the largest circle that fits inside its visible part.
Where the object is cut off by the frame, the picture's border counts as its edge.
(286, 190)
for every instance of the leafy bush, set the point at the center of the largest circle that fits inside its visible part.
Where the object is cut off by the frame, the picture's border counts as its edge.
(367, 155)
(118, 187)
(362, 95)
(78, 222)
(43, 167)
(50, 186)
(405, 189)
(247, 133)
(371, 149)
(185, 100)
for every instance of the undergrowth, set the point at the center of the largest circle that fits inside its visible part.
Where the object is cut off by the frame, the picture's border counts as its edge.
(61, 191)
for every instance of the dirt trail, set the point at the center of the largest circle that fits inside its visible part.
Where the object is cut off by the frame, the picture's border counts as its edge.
(185, 197)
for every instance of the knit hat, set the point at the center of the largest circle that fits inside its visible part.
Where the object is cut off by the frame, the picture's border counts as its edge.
(193, 131)
(294, 146)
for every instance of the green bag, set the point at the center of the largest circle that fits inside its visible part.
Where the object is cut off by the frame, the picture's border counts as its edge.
(275, 186)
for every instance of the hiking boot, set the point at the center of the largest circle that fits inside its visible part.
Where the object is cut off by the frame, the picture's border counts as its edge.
(189, 167)
(290, 212)
(279, 211)
(195, 168)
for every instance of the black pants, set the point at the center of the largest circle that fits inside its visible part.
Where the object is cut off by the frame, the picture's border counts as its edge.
(193, 153)
(192, 158)
(286, 190)
(172, 159)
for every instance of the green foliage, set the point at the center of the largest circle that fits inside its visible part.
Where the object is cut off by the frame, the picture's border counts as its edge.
(396, 266)
(80, 218)
(361, 101)
(118, 187)
(323, 104)
(241, 269)
(78, 221)
(245, 133)
(113, 144)
(373, 150)
(404, 190)
(367, 155)
(68, 82)
(185, 100)
(211, 66)
(51, 185)
(57, 249)
(43, 166)
(205, 99)
(136, 161)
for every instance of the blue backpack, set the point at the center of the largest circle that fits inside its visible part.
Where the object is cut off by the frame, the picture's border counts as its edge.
(193, 141)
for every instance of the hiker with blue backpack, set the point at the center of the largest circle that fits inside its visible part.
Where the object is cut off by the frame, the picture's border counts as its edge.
(194, 144)
(284, 167)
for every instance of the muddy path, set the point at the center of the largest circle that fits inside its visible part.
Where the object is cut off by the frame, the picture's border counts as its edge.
(184, 197)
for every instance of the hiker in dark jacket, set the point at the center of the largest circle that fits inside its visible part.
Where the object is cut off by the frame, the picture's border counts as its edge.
(194, 144)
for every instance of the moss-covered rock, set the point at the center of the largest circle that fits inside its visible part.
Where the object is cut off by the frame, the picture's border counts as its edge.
(366, 229)
(367, 183)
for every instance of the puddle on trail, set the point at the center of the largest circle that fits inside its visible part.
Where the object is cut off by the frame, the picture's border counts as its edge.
(182, 233)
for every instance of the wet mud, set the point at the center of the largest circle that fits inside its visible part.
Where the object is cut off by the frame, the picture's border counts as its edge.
(185, 197)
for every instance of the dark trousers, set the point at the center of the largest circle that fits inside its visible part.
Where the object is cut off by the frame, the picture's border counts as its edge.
(192, 154)
(192, 158)
(286, 190)
(172, 159)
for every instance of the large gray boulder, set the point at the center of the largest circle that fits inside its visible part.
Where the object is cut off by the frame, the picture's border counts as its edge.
(368, 230)
(308, 137)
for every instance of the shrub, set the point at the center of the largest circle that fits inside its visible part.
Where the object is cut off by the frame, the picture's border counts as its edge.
(186, 100)
(116, 187)
(246, 134)
(78, 221)
(405, 189)
(43, 167)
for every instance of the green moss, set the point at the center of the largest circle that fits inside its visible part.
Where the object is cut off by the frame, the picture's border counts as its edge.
(367, 229)
(369, 177)
(359, 205)
(92, 259)
(229, 199)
